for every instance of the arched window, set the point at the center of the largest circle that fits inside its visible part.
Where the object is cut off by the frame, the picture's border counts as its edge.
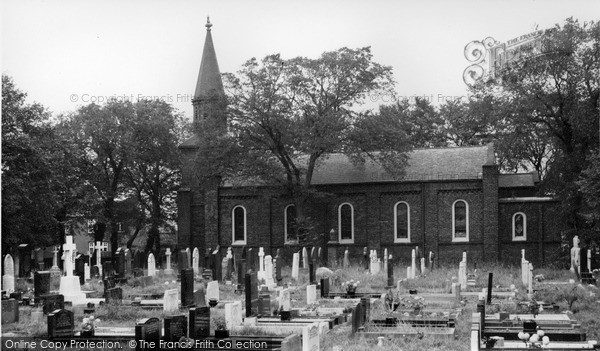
(346, 223)
(401, 222)
(460, 221)
(289, 224)
(238, 225)
(519, 226)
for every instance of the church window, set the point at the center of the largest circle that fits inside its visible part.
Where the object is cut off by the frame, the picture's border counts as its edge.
(346, 223)
(460, 221)
(519, 226)
(289, 225)
(401, 222)
(238, 225)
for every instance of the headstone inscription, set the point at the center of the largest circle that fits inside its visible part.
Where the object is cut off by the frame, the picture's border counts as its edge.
(199, 322)
(175, 327)
(61, 324)
(149, 330)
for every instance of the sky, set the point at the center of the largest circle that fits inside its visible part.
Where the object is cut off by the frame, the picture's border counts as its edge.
(66, 54)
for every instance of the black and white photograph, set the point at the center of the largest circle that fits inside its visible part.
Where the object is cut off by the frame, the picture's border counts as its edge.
(300, 175)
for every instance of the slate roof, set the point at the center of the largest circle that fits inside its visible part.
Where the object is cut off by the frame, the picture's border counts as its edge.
(517, 180)
(423, 164)
(209, 82)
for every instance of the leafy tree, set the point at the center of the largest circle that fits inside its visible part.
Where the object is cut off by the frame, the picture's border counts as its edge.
(552, 95)
(38, 185)
(289, 115)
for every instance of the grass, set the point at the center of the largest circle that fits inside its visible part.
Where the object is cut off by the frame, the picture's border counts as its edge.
(580, 301)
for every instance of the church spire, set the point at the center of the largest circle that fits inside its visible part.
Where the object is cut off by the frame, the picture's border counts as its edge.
(209, 84)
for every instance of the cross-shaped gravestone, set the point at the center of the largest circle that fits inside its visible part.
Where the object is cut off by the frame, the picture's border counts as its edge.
(168, 269)
(69, 248)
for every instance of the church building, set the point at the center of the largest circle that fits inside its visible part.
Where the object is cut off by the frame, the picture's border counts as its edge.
(450, 200)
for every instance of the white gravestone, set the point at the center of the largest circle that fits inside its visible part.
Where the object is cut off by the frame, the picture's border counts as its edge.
(69, 284)
(589, 260)
(286, 301)
(269, 281)
(576, 256)
(295, 266)
(233, 314)
(151, 265)
(8, 279)
(346, 259)
(385, 261)
(87, 274)
(310, 337)
(196, 261)
(212, 291)
(171, 300)
(311, 294)
(462, 273)
(413, 266)
(261, 264)
(304, 258)
(168, 269)
(422, 265)
(530, 279)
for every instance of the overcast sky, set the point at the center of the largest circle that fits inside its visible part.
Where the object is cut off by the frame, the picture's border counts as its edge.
(67, 53)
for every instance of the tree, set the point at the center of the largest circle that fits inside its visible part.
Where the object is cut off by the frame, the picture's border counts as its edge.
(289, 115)
(553, 96)
(153, 171)
(38, 185)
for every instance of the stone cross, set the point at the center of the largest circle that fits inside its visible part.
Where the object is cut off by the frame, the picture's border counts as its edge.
(261, 263)
(168, 269)
(55, 257)
(68, 254)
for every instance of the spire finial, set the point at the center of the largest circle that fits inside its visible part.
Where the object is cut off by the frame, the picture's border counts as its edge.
(208, 24)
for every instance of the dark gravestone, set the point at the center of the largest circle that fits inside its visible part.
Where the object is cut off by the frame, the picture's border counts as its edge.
(138, 264)
(311, 273)
(251, 287)
(107, 269)
(216, 263)
(39, 259)
(120, 264)
(199, 322)
(207, 274)
(80, 262)
(357, 317)
(325, 287)
(264, 305)
(24, 260)
(278, 267)
(183, 260)
(61, 324)
(366, 309)
(187, 287)
(175, 328)
(128, 262)
(41, 283)
(366, 258)
(489, 290)
(241, 270)
(200, 297)
(109, 283)
(95, 272)
(149, 331)
(250, 262)
(207, 258)
(50, 303)
(10, 311)
(114, 296)
(390, 274)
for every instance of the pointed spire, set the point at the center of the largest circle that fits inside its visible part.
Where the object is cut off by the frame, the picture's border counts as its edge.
(209, 83)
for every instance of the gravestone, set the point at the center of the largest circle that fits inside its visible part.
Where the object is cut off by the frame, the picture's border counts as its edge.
(286, 300)
(312, 277)
(196, 261)
(10, 311)
(576, 257)
(390, 272)
(311, 294)
(107, 269)
(8, 279)
(230, 265)
(233, 314)
(357, 317)
(128, 262)
(120, 263)
(325, 287)
(24, 260)
(95, 272)
(187, 287)
(87, 274)
(250, 262)
(241, 271)
(69, 284)
(200, 297)
(50, 303)
(109, 283)
(41, 283)
(80, 268)
(170, 301)
(148, 330)
(138, 263)
(310, 337)
(413, 265)
(168, 270)
(61, 324)
(114, 296)
(225, 268)
(39, 259)
(207, 274)
(175, 327)
(278, 267)
(215, 260)
(212, 291)
(264, 304)
(304, 258)
(268, 274)
(199, 322)
(251, 287)
(151, 265)
(295, 266)
(346, 262)
(431, 260)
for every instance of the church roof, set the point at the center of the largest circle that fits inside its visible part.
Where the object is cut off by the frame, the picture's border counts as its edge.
(423, 164)
(517, 180)
(209, 78)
